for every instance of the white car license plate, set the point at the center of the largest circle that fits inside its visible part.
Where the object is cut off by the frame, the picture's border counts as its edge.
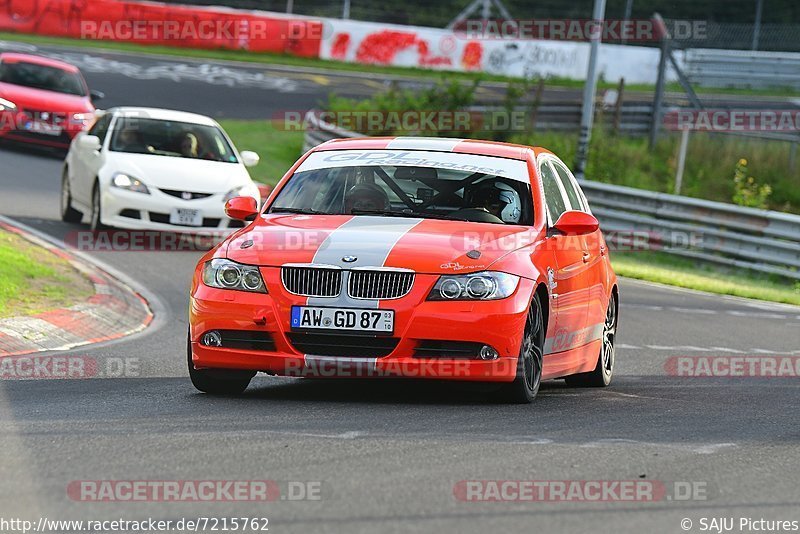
(308, 317)
(43, 128)
(186, 217)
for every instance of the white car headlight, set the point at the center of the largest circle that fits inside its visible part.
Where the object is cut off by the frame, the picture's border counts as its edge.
(82, 118)
(227, 274)
(486, 285)
(124, 181)
(7, 105)
(242, 191)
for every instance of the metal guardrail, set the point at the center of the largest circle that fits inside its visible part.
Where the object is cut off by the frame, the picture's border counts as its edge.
(736, 68)
(714, 232)
(635, 118)
(710, 232)
(317, 132)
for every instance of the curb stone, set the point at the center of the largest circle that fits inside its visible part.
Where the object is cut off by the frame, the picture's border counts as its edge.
(114, 311)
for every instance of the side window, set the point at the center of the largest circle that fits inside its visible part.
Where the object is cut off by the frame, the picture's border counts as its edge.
(552, 192)
(569, 187)
(100, 128)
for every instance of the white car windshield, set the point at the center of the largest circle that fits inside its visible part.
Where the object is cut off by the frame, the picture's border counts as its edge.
(135, 135)
(410, 184)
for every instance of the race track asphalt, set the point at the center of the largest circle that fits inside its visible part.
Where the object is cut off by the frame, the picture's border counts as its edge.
(388, 455)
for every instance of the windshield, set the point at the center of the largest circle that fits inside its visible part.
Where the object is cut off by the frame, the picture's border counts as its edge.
(136, 135)
(42, 77)
(445, 186)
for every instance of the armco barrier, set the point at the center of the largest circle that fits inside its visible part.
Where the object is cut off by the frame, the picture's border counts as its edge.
(760, 240)
(161, 24)
(741, 68)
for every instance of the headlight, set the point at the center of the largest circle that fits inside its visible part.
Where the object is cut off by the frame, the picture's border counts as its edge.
(486, 285)
(81, 118)
(227, 274)
(123, 181)
(241, 191)
(7, 105)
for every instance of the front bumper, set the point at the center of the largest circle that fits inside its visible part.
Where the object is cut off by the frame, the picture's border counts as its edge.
(139, 211)
(498, 324)
(17, 127)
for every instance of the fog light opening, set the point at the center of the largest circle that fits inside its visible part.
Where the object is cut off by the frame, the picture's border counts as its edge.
(488, 353)
(212, 339)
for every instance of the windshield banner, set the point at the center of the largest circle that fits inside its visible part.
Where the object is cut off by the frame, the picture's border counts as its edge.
(506, 168)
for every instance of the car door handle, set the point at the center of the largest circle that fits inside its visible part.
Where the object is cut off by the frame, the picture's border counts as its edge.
(602, 250)
(586, 257)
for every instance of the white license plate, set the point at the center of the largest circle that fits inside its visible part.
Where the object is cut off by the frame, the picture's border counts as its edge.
(308, 317)
(186, 217)
(43, 128)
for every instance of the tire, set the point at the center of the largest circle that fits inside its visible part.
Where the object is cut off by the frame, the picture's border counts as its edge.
(604, 371)
(529, 364)
(217, 381)
(95, 222)
(68, 213)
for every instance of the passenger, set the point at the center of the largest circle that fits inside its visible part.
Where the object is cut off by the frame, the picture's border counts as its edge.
(190, 146)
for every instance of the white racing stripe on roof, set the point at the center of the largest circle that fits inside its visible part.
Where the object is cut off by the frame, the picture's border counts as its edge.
(435, 144)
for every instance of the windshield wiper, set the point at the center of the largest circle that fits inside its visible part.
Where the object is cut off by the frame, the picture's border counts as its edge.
(304, 211)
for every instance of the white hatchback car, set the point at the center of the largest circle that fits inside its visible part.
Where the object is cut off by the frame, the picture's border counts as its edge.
(155, 169)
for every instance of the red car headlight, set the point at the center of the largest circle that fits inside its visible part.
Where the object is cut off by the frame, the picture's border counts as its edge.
(227, 274)
(486, 285)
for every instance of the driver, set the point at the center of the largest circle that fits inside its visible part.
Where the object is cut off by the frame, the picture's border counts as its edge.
(499, 199)
(129, 140)
(366, 197)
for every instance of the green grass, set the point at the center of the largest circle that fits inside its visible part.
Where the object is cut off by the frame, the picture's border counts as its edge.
(682, 272)
(33, 280)
(376, 70)
(278, 149)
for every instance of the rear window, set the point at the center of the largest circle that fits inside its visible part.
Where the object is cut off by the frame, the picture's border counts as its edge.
(43, 77)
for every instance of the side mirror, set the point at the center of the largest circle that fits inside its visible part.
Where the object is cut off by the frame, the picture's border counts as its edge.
(250, 159)
(576, 223)
(89, 142)
(241, 208)
(96, 95)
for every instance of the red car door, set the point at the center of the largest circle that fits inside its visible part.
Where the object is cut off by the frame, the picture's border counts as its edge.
(570, 278)
(596, 264)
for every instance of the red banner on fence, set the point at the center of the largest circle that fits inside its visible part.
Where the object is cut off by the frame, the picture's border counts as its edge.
(162, 24)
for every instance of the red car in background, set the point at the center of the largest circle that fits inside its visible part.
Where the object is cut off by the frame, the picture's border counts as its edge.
(42, 100)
